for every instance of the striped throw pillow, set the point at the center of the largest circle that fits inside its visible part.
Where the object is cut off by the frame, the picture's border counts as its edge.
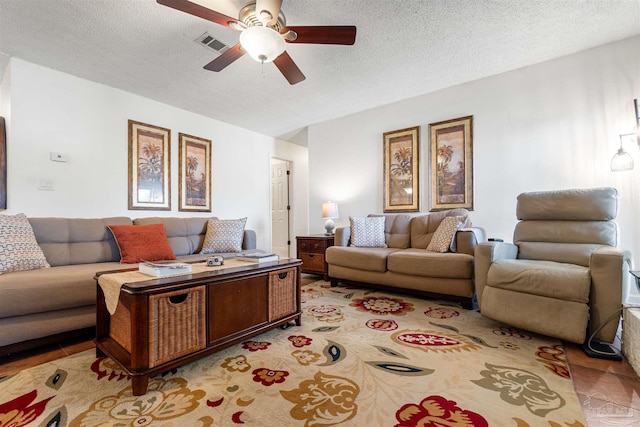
(367, 232)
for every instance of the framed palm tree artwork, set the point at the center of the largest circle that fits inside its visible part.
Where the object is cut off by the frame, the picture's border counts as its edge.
(402, 170)
(149, 167)
(195, 174)
(451, 154)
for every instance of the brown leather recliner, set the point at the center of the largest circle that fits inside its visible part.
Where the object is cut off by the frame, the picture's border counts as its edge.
(563, 270)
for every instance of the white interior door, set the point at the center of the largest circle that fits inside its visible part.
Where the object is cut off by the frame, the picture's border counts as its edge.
(280, 208)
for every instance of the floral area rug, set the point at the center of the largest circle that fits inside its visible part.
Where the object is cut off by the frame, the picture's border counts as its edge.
(360, 358)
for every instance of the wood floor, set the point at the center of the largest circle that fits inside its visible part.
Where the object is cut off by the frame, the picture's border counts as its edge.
(609, 391)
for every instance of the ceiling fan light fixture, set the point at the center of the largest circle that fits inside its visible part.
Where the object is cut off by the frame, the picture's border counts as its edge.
(263, 44)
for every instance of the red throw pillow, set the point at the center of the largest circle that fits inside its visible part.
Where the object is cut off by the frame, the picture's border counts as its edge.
(142, 242)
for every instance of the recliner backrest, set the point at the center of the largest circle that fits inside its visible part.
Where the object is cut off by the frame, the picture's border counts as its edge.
(565, 225)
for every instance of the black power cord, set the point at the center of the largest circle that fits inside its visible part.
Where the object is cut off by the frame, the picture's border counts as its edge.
(599, 349)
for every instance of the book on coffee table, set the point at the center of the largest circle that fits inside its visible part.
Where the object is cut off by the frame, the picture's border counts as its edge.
(258, 257)
(163, 268)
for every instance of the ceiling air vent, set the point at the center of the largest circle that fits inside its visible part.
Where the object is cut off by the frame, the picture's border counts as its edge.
(210, 42)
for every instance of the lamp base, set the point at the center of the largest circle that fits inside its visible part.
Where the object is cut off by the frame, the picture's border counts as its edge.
(329, 226)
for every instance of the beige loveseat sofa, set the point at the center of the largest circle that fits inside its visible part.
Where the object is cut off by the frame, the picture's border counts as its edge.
(38, 305)
(405, 264)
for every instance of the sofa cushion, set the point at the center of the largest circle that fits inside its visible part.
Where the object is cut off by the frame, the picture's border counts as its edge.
(443, 239)
(185, 235)
(424, 226)
(19, 250)
(224, 235)
(420, 262)
(67, 241)
(367, 232)
(397, 230)
(27, 292)
(544, 278)
(370, 259)
(142, 243)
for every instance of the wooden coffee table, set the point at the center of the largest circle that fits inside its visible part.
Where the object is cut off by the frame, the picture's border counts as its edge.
(165, 322)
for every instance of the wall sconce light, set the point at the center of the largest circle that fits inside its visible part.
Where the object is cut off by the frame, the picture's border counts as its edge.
(622, 161)
(329, 212)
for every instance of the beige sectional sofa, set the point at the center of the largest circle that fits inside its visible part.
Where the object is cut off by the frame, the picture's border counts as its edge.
(40, 304)
(405, 264)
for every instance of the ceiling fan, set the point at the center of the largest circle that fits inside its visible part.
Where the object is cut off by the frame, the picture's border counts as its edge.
(264, 33)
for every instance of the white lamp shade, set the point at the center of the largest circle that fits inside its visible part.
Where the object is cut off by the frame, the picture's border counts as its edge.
(262, 43)
(621, 161)
(330, 210)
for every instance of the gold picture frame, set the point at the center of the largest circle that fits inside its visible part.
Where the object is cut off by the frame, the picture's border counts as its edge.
(451, 154)
(194, 191)
(149, 167)
(402, 170)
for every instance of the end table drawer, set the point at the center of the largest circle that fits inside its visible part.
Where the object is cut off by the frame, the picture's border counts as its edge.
(310, 245)
(313, 262)
(176, 324)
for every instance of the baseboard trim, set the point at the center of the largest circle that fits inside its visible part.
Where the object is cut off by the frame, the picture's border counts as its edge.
(19, 347)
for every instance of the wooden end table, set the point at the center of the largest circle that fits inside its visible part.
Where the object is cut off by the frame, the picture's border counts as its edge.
(311, 250)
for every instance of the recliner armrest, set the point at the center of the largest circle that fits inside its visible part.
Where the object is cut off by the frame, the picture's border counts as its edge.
(342, 236)
(486, 253)
(609, 268)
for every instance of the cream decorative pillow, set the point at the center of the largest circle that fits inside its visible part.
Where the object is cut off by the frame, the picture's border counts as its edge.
(224, 235)
(442, 239)
(368, 232)
(19, 250)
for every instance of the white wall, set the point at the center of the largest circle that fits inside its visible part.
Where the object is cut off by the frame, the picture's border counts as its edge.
(55, 112)
(554, 125)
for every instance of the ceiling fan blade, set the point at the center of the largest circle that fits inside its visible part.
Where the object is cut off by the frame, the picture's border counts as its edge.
(203, 12)
(345, 34)
(268, 10)
(225, 59)
(288, 68)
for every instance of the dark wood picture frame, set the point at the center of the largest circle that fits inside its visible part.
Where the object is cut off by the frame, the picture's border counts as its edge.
(451, 154)
(402, 170)
(194, 188)
(149, 167)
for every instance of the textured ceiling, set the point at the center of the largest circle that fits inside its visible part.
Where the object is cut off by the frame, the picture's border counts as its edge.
(403, 48)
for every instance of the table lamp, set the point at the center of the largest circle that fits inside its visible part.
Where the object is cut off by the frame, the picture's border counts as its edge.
(329, 211)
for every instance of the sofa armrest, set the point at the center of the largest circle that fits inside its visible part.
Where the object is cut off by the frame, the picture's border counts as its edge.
(249, 240)
(468, 238)
(609, 268)
(486, 253)
(342, 236)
